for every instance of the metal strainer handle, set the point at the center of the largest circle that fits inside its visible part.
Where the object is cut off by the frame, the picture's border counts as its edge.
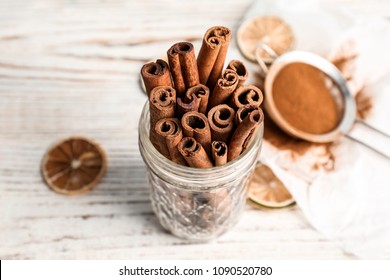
(381, 136)
(260, 59)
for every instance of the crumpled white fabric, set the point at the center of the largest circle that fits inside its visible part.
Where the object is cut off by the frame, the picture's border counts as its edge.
(351, 204)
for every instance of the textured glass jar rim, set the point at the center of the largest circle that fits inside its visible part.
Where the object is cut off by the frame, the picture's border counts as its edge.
(190, 177)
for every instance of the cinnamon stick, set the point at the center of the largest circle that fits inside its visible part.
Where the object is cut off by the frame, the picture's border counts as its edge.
(201, 92)
(242, 72)
(162, 103)
(242, 113)
(188, 105)
(156, 74)
(194, 153)
(243, 135)
(219, 151)
(212, 54)
(246, 95)
(224, 88)
(195, 125)
(184, 68)
(220, 119)
(170, 133)
(221, 199)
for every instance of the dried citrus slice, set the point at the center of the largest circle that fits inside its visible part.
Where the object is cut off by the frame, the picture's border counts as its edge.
(270, 30)
(74, 166)
(265, 189)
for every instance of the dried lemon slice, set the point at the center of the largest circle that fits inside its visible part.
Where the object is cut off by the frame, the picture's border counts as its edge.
(266, 190)
(74, 166)
(270, 30)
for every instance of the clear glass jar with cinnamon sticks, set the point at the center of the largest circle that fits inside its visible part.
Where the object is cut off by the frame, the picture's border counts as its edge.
(197, 203)
(199, 134)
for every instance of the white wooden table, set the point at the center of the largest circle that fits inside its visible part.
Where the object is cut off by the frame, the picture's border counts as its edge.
(71, 67)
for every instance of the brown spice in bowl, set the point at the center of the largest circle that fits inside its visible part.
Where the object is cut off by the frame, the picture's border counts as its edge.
(303, 99)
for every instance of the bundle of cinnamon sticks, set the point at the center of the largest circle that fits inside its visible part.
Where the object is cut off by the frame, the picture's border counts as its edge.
(201, 115)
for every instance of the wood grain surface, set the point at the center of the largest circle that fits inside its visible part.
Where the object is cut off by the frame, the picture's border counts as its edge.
(72, 68)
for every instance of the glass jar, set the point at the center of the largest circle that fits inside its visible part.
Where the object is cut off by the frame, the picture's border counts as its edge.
(193, 203)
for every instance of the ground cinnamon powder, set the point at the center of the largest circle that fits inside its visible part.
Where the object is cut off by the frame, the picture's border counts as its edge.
(275, 136)
(363, 104)
(304, 100)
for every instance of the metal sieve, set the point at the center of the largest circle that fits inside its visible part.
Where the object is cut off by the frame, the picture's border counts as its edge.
(345, 100)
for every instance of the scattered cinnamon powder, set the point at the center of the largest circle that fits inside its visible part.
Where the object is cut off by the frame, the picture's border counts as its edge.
(275, 136)
(345, 59)
(346, 65)
(304, 100)
(329, 164)
(278, 138)
(363, 104)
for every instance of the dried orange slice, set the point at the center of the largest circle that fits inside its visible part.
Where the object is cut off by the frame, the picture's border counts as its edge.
(270, 30)
(266, 190)
(74, 166)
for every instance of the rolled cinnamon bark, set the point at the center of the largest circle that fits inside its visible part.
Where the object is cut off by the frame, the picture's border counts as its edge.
(220, 119)
(195, 125)
(242, 72)
(219, 151)
(201, 92)
(221, 199)
(243, 135)
(156, 74)
(188, 105)
(246, 95)
(212, 55)
(184, 68)
(242, 113)
(224, 88)
(162, 103)
(170, 133)
(193, 153)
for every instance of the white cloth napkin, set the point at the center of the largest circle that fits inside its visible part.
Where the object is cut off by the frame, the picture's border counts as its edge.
(350, 204)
